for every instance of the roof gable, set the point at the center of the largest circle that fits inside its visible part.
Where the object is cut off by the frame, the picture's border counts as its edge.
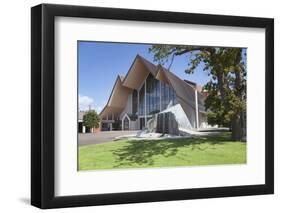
(184, 91)
(134, 78)
(118, 97)
(138, 72)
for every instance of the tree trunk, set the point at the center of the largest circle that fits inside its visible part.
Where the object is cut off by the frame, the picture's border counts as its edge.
(236, 128)
(237, 122)
(221, 83)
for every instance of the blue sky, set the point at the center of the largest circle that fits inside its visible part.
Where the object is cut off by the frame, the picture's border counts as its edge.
(99, 63)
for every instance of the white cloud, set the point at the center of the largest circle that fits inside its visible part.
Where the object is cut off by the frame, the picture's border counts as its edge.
(85, 102)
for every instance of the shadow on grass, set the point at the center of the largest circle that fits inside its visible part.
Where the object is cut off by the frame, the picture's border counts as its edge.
(141, 152)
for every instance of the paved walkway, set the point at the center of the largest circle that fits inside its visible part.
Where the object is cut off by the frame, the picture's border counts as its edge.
(101, 137)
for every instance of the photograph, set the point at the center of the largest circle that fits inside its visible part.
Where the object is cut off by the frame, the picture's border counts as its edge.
(160, 105)
(133, 105)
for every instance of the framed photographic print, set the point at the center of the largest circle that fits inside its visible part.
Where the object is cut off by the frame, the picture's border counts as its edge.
(139, 106)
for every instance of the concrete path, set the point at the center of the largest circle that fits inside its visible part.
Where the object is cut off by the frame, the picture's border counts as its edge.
(101, 137)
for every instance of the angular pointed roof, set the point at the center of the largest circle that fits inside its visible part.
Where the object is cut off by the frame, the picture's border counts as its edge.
(138, 72)
(150, 66)
(183, 90)
(123, 85)
(134, 78)
(117, 99)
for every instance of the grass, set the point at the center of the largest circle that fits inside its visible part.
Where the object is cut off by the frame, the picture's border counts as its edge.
(211, 150)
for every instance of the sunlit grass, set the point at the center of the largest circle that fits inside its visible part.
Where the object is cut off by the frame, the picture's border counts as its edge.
(162, 153)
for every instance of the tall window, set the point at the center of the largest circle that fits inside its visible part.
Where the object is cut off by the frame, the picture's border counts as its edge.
(152, 95)
(152, 98)
(168, 96)
(172, 96)
(141, 101)
(135, 102)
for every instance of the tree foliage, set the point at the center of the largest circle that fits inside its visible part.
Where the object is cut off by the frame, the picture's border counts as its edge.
(226, 100)
(91, 119)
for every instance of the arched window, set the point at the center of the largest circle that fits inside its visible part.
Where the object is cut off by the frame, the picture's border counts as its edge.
(126, 123)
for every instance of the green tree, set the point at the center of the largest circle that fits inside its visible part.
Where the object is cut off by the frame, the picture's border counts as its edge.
(226, 100)
(91, 119)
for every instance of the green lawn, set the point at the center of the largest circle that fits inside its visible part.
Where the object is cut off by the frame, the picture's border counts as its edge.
(162, 153)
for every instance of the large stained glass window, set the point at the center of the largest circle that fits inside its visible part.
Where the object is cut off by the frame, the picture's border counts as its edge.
(152, 98)
(172, 96)
(168, 96)
(141, 100)
(152, 95)
(135, 102)
(164, 96)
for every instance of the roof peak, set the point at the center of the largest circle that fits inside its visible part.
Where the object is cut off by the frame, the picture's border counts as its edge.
(149, 65)
(155, 68)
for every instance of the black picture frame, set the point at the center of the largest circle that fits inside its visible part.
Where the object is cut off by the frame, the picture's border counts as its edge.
(43, 111)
